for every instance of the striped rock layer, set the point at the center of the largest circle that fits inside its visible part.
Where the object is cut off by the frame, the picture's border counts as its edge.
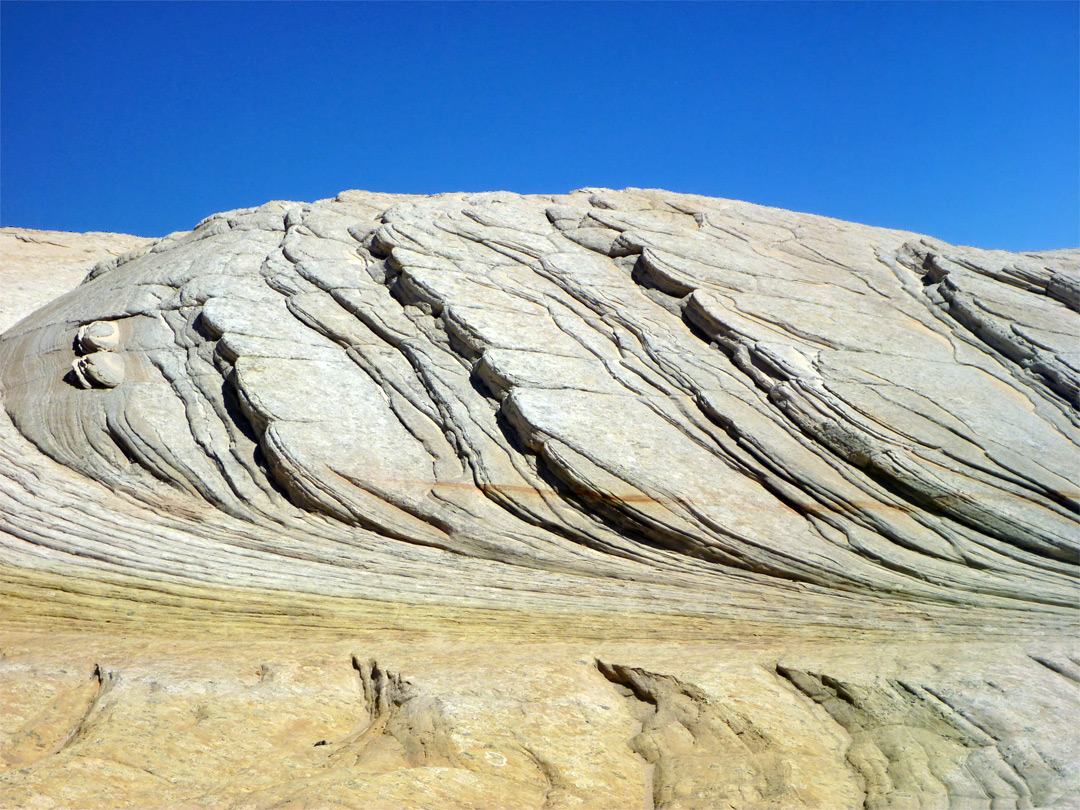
(656, 500)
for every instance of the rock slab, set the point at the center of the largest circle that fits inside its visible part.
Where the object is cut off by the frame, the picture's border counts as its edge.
(604, 416)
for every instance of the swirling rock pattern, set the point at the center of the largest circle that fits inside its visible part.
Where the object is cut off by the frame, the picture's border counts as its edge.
(624, 386)
(596, 415)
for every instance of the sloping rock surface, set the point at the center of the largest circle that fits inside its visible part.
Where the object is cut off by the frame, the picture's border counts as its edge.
(605, 415)
(695, 396)
(38, 266)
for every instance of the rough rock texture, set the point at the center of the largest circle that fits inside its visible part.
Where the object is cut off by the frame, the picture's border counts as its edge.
(786, 509)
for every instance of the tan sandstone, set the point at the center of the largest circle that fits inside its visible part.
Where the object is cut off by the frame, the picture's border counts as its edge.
(799, 567)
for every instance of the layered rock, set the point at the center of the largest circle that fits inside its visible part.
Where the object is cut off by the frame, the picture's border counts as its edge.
(597, 415)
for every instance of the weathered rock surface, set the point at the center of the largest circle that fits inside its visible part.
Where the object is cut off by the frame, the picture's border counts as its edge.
(37, 266)
(786, 508)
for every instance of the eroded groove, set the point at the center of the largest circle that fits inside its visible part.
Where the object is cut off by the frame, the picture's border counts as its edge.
(62, 724)
(913, 743)
(703, 753)
(400, 727)
(1065, 668)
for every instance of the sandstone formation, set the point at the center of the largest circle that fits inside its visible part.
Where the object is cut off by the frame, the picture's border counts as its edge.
(607, 499)
(38, 266)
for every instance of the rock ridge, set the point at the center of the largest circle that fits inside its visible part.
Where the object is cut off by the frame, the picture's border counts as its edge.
(604, 499)
(661, 390)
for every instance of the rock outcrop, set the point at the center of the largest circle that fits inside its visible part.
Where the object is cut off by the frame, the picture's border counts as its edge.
(603, 415)
(38, 266)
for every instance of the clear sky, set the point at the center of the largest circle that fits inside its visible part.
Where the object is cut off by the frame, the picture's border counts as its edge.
(960, 120)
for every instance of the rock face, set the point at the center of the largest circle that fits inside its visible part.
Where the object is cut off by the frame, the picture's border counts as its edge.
(604, 416)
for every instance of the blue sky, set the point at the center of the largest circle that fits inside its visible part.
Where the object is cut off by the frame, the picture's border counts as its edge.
(960, 120)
